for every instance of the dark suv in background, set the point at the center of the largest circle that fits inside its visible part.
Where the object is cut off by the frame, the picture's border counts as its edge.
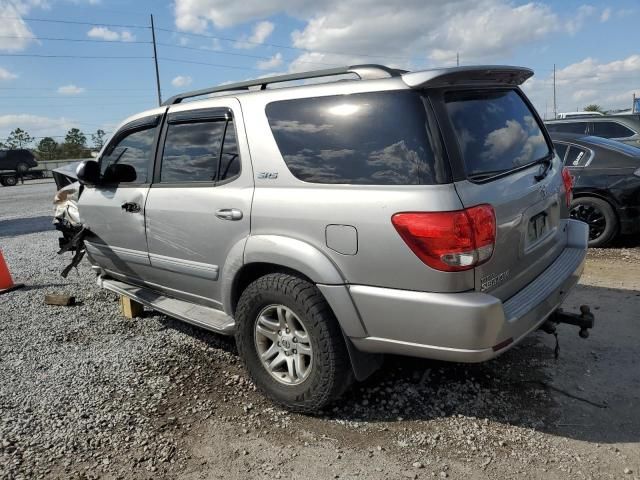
(623, 128)
(15, 163)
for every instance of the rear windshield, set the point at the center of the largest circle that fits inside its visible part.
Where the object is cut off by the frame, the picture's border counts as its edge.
(380, 138)
(496, 131)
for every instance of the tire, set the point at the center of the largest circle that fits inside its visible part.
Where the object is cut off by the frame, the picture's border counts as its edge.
(328, 370)
(22, 167)
(9, 180)
(599, 215)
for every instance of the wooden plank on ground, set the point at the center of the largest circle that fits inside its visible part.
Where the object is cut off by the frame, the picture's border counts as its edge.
(130, 308)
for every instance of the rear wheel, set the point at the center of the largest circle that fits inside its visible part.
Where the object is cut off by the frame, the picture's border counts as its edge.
(599, 215)
(290, 342)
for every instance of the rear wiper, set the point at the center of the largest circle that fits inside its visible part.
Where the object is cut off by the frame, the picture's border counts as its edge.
(478, 177)
(545, 166)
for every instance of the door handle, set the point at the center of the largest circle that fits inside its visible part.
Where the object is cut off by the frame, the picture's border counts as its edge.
(131, 207)
(229, 214)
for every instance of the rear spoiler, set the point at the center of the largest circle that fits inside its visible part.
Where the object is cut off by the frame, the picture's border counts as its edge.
(468, 76)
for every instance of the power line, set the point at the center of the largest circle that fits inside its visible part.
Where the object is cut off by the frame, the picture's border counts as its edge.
(288, 47)
(87, 40)
(74, 22)
(235, 67)
(236, 54)
(36, 55)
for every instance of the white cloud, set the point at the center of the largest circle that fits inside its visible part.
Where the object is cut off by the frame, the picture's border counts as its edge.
(609, 84)
(261, 32)
(273, 62)
(7, 75)
(15, 35)
(576, 22)
(70, 90)
(105, 33)
(34, 124)
(478, 29)
(181, 81)
(605, 15)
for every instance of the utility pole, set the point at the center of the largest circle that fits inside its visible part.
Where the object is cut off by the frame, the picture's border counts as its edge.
(633, 103)
(555, 109)
(155, 59)
(457, 59)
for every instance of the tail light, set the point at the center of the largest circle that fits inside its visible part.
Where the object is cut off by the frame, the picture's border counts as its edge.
(567, 179)
(449, 241)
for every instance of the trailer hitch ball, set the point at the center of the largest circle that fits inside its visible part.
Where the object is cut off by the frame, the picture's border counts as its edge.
(584, 333)
(585, 310)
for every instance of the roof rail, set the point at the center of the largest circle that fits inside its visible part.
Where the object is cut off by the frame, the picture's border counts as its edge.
(365, 72)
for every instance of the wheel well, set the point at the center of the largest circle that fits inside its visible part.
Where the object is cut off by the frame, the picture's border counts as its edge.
(252, 272)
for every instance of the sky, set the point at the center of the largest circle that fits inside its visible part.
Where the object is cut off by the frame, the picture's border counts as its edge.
(89, 63)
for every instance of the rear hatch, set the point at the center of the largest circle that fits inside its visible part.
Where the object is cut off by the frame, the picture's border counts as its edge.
(505, 160)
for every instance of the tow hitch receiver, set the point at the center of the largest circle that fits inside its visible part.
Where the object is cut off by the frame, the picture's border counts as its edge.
(584, 320)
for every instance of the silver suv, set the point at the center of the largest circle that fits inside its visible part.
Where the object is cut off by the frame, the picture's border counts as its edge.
(326, 222)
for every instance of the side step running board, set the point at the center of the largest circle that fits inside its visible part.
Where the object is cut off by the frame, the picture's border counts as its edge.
(198, 315)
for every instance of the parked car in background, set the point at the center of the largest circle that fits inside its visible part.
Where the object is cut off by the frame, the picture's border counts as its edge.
(564, 115)
(325, 224)
(15, 164)
(606, 191)
(623, 128)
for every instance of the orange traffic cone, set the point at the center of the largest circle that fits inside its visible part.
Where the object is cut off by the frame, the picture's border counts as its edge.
(6, 282)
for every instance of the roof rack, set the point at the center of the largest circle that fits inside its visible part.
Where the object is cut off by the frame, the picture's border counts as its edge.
(365, 72)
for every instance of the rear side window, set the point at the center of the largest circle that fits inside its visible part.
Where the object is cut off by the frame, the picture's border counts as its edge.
(132, 149)
(577, 157)
(569, 127)
(203, 151)
(561, 149)
(611, 130)
(496, 131)
(381, 138)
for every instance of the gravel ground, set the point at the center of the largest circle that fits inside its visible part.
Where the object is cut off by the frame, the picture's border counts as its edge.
(86, 393)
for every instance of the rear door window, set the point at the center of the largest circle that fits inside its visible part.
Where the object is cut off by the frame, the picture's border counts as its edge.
(611, 130)
(577, 157)
(568, 127)
(200, 151)
(380, 138)
(496, 131)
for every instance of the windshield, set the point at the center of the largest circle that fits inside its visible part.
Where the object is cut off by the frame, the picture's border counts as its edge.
(496, 131)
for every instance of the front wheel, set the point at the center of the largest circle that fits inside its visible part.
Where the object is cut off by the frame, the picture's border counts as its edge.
(599, 215)
(291, 343)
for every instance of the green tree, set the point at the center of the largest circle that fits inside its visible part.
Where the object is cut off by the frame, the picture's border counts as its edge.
(19, 139)
(593, 107)
(98, 139)
(47, 148)
(75, 144)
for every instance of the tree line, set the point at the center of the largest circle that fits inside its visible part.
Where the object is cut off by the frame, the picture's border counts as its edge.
(74, 144)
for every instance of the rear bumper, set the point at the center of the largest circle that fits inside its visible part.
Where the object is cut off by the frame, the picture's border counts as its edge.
(468, 326)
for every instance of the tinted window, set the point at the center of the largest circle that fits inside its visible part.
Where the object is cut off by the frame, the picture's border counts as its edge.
(611, 130)
(133, 149)
(561, 149)
(577, 157)
(192, 152)
(381, 138)
(496, 130)
(569, 127)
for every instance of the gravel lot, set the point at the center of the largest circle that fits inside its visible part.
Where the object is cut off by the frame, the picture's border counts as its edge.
(85, 393)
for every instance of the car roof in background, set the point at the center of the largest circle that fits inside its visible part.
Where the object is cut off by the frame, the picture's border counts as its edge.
(599, 118)
(590, 141)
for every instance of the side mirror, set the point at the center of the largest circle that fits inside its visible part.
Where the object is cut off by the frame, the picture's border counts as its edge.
(88, 172)
(116, 173)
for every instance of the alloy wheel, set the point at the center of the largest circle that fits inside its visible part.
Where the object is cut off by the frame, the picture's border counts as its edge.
(593, 217)
(283, 345)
